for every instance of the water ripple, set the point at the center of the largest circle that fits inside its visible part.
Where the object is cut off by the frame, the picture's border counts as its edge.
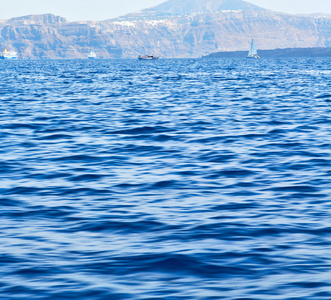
(174, 179)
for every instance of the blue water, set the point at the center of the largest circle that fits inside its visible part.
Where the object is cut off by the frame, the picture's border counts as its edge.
(171, 179)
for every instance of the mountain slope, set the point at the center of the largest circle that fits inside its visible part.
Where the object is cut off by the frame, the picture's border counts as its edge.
(184, 7)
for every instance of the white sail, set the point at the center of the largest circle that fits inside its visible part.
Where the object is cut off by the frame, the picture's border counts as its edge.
(253, 51)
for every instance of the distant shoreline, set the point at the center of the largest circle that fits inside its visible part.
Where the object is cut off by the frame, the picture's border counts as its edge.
(287, 52)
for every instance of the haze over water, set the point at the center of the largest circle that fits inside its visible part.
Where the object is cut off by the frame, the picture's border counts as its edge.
(169, 179)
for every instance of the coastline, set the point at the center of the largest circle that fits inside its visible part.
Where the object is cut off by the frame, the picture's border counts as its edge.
(286, 52)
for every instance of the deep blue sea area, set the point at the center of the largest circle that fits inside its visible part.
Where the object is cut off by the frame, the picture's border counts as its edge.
(172, 179)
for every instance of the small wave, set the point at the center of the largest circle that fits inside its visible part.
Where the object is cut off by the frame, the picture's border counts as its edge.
(175, 179)
(142, 130)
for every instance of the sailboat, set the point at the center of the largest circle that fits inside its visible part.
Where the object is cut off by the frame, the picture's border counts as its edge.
(252, 51)
(8, 54)
(92, 55)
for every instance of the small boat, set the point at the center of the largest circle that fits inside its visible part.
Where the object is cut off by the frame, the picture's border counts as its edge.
(92, 55)
(147, 57)
(8, 54)
(252, 51)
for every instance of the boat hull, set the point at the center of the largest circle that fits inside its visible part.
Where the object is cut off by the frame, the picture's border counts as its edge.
(253, 56)
(147, 57)
(8, 57)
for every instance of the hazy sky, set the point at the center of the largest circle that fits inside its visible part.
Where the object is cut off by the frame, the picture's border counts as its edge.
(75, 10)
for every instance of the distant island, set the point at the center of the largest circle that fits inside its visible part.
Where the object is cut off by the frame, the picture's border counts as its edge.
(288, 52)
(173, 29)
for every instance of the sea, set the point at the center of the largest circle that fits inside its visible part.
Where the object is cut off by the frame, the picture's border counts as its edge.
(170, 179)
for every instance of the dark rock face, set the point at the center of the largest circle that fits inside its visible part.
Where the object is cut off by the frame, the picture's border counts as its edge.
(188, 28)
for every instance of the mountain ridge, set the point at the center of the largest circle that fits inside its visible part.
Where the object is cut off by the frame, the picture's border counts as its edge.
(184, 7)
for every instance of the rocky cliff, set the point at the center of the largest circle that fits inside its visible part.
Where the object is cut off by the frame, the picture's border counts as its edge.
(187, 28)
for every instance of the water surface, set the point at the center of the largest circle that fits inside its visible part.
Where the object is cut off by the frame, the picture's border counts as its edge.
(169, 179)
